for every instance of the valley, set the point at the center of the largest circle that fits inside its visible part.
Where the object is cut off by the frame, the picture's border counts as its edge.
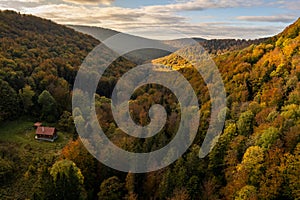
(257, 155)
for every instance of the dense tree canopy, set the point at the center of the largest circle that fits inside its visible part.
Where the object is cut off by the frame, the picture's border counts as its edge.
(9, 101)
(67, 179)
(256, 157)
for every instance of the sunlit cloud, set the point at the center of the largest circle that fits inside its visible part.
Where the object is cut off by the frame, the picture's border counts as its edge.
(141, 20)
(149, 24)
(203, 5)
(21, 1)
(274, 18)
(105, 2)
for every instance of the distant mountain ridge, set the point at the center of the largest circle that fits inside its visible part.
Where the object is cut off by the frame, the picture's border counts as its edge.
(213, 46)
(139, 56)
(98, 32)
(240, 47)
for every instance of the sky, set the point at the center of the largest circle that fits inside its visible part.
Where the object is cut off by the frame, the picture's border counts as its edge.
(169, 19)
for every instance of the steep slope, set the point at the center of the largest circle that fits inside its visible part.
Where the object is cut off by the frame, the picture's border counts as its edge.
(264, 65)
(29, 43)
(41, 54)
(258, 153)
(39, 61)
(45, 56)
(256, 157)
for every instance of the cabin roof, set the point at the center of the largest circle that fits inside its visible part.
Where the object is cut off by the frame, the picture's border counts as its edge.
(45, 131)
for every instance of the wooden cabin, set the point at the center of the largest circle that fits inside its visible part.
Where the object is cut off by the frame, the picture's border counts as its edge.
(46, 133)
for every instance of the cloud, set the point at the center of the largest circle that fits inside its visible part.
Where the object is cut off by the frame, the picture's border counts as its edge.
(108, 16)
(203, 30)
(292, 5)
(21, 1)
(149, 24)
(275, 18)
(17, 5)
(105, 2)
(187, 5)
(203, 4)
(157, 20)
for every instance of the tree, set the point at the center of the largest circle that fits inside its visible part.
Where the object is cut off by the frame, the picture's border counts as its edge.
(6, 169)
(80, 125)
(60, 92)
(245, 123)
(291, 111)
(193, 186)
(44, 187)
(130, 186)
(26, 95)
(209, 188)
(66, 122)
(9, 104)
(252, 164)
(248, 192)
(48, 103)
(67, 179)
(272, 182)
(181, 174)
(253, 156)
(293, 171)
(76, 152)
(268, 137)
(180, 194)
(216, 156)
(166, 185)
(111, 189)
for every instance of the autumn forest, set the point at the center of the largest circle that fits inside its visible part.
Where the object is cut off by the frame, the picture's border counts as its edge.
(257, 156)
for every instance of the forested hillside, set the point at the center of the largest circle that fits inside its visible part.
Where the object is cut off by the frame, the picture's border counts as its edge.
(38, 55)
(217, 46)
(257, 155)
(39, 61)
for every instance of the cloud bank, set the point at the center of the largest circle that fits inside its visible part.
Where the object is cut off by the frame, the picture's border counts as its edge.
(274, 18)
(143, 20)
(105, 2)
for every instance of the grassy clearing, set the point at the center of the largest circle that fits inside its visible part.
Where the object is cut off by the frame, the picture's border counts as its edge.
(23, 132)
(17, 137)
